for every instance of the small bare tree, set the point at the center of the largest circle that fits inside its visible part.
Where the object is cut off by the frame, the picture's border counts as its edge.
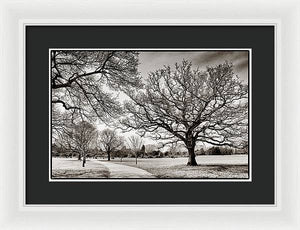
(84, 135)
(189, 106)
(135, 143)
(79, 138)
(110, 141)
(63, 125)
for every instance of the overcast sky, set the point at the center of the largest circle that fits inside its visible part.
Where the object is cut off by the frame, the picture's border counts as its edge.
(150, 61)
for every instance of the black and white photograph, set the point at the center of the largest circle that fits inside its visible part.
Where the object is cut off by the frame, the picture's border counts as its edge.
(150, 114)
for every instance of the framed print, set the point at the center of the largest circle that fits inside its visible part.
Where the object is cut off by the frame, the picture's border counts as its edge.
(157, 123)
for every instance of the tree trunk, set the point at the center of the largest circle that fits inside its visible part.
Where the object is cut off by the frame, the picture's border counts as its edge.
(83, 160)
(108, 156)
(79, 156)
(192, 157)
(136, 156)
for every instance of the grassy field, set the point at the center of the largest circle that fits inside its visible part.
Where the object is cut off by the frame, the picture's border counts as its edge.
(229, 166)
(72, 168)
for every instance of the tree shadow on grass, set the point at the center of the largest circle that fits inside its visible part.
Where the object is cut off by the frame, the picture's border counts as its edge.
(201, 172)
(89, 173)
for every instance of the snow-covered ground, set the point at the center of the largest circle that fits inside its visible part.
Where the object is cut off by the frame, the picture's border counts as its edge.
(229, 166)
(225, 166)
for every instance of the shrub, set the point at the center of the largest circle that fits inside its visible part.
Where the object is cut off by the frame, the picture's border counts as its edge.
(214, 151)
(227, 151)
(219, 151)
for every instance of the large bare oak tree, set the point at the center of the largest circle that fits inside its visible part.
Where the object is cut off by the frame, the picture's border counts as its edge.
(81, 84)
(189, 105)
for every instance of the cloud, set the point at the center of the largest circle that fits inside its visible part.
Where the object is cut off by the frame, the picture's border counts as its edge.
(151, 61)
(208, 57)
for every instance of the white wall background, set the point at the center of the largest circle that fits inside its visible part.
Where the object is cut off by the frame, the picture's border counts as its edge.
(283, 12)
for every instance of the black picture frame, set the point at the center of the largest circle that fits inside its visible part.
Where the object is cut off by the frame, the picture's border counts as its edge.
(260, 39)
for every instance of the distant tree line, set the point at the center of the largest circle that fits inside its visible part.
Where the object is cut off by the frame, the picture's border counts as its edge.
(124, 152)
